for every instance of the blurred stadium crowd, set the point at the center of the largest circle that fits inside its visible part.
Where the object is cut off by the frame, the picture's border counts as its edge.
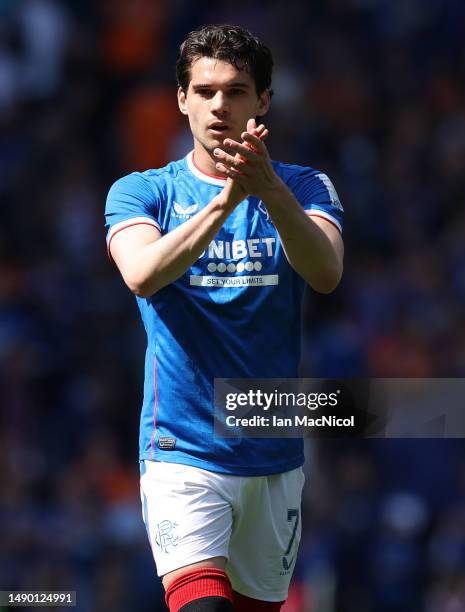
(371, 92)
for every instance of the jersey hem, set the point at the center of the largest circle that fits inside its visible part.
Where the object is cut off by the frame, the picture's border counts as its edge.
(234, 470)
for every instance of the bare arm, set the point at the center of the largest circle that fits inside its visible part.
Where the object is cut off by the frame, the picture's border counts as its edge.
(313, 246)
(148, 261)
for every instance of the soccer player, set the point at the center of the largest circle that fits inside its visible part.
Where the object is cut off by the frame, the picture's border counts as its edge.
(218, 247)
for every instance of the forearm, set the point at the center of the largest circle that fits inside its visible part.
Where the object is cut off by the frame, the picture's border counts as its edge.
(308, 249)
(159, 263)
(315, 252)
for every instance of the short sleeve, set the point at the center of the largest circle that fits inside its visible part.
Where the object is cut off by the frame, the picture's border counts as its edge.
(131, 200)
(315, 191)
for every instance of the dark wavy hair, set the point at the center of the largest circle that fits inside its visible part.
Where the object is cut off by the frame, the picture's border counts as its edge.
(228, 43)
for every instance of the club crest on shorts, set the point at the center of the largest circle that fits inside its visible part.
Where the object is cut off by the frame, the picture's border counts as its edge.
(166, 536)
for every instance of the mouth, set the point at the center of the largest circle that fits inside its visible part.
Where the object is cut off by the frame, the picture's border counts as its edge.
(218, 129)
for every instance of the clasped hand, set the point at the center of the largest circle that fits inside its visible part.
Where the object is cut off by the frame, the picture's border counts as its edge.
(248, 163)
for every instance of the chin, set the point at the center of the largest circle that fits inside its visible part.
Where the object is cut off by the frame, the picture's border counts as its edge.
(216, 139)
(211, 143)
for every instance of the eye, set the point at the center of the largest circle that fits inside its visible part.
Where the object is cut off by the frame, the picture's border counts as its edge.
(205, 93)
(235, 91)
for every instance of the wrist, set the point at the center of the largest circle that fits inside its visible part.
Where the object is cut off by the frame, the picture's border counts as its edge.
(274, 191)
(231, 195)
(224, 202)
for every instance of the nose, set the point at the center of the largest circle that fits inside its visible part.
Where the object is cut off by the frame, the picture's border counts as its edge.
(219, 103)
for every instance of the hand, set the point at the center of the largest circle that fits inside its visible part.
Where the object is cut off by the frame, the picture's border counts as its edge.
(233, 190)
(250, 168)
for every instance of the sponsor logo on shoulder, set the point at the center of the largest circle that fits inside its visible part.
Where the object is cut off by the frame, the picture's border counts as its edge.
(331, 190)
(184, 212)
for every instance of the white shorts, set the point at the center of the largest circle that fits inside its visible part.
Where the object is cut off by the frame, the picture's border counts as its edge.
(255, 522)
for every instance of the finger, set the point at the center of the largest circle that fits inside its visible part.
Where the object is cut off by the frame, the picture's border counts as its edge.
(242, 149)
(228, 171)
(254, 141)
(232, 160)
(251, 125)
(227, 146)
(261, 132)
(257, 132)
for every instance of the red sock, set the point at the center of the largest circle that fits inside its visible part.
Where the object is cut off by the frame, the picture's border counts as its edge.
(242, 603)
(205, 582)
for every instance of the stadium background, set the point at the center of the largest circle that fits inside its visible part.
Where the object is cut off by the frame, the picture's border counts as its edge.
(371, 92)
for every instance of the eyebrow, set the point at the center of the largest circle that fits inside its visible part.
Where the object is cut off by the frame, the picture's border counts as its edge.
(230, 85)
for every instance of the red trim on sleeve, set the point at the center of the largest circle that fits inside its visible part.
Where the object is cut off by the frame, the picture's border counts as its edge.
(155, 408)
(312, 214)
(123, 228)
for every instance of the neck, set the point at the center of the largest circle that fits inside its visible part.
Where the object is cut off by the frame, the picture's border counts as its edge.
(205, 162)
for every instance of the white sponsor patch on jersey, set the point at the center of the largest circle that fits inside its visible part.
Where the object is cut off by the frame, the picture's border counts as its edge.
(234, 281)
(238, 249)
(331, 190)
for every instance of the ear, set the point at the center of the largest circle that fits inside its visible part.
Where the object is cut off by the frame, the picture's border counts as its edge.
(264, 101)
(182, 101)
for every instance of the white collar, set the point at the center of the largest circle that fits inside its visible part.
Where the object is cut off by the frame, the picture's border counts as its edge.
(203, 176)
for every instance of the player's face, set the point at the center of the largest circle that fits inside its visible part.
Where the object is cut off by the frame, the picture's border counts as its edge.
(219, 101)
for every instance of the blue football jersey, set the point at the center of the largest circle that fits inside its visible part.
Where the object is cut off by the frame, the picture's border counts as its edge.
(235, 313)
